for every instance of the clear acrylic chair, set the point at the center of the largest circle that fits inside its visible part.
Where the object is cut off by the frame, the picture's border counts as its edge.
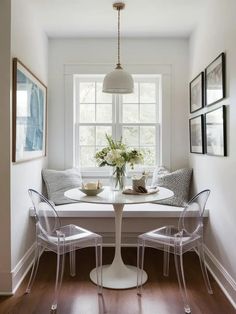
(51, 235)
(188, 236)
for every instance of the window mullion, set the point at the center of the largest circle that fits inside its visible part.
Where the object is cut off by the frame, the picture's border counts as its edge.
(95, 128)
(158, 144)
(139, 144)
(113, 116)
(77, 99)
(77, 146)
(118, 116)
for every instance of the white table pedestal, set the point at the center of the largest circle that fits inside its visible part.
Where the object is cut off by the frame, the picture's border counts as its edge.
(118, 275)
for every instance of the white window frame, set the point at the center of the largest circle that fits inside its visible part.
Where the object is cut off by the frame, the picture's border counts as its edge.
(117, 124)
(166, 71)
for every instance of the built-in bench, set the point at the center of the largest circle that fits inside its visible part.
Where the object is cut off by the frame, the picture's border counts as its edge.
(137, 218)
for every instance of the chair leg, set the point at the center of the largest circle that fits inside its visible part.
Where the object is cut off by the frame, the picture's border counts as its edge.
(98, 254)
(72, 261)
(34, 270)
(166, 256)
(59, 276)
(181, 280)
(166, 260)
(203, 268)
(140, 263)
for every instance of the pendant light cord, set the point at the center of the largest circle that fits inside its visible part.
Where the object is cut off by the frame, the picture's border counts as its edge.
(118, 66)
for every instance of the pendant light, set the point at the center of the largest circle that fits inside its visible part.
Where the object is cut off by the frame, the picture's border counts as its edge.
(118, 81)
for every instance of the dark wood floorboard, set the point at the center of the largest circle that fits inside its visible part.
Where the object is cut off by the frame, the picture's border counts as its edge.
(78, 295)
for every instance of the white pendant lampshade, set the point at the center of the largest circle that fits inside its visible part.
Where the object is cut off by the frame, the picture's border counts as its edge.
(118, 81)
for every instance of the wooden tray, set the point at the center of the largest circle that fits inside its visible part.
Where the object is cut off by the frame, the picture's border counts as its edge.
(132, 192)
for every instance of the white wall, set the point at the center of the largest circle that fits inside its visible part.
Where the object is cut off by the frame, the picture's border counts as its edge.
(136, 54)
(5, 141)
(215, 34)
(30, 45)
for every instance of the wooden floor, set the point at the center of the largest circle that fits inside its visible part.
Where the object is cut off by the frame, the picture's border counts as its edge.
(78, 295)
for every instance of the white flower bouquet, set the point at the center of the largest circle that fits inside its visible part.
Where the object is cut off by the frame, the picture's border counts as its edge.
(117, 155)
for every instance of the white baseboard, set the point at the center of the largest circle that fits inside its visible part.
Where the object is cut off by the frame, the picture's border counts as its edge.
(13, 279)
(22, 268)
(222, 277)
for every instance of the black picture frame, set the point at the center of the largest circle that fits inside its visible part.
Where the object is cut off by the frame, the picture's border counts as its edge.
(196, 93)
(29, 114)
(196, 134)
(215, 81)
(215, 132)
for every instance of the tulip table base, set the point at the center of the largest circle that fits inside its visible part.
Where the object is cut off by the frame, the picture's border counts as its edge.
(118, 275)
(123, 277)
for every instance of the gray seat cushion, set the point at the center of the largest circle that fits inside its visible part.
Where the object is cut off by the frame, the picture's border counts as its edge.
(57, 182)
(178, 182)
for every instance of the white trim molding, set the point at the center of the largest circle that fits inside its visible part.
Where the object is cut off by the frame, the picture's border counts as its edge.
(21, 269)
(221, 276)
(17, 275)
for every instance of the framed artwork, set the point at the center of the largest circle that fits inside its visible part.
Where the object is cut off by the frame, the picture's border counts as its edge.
(215, 127)
(196, 135)
(29, 114)
(196, 92)
(215, 80)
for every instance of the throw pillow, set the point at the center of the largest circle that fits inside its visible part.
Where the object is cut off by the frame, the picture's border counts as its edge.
(158, 171)
(57, 182)
(178, 182)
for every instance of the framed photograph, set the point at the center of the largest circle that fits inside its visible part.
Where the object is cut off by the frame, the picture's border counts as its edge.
(215, 80)
(196, 92)
(196, 135)
(215, 127)
(29, 114)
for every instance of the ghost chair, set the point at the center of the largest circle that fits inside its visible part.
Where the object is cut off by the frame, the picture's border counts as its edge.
(52, 236)
(187, 236)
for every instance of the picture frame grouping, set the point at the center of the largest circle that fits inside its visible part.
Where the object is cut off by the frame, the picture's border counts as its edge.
(208, 130)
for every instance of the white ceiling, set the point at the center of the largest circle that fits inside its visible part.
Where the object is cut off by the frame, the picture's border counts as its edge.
(96, 18)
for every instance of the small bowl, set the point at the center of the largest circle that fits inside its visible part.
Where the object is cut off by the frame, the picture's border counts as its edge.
(91, 192)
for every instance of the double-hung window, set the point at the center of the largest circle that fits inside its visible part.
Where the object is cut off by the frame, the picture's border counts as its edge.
(134, 117)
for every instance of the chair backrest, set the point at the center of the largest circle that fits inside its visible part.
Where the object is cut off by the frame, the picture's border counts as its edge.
(191, 219)
(46, 215)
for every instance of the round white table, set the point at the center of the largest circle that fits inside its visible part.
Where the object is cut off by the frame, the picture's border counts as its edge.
(118, 275)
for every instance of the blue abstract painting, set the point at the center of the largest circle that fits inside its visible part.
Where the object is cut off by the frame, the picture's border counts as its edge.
(29, 101)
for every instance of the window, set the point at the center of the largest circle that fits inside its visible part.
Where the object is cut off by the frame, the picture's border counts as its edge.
(135, 117)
